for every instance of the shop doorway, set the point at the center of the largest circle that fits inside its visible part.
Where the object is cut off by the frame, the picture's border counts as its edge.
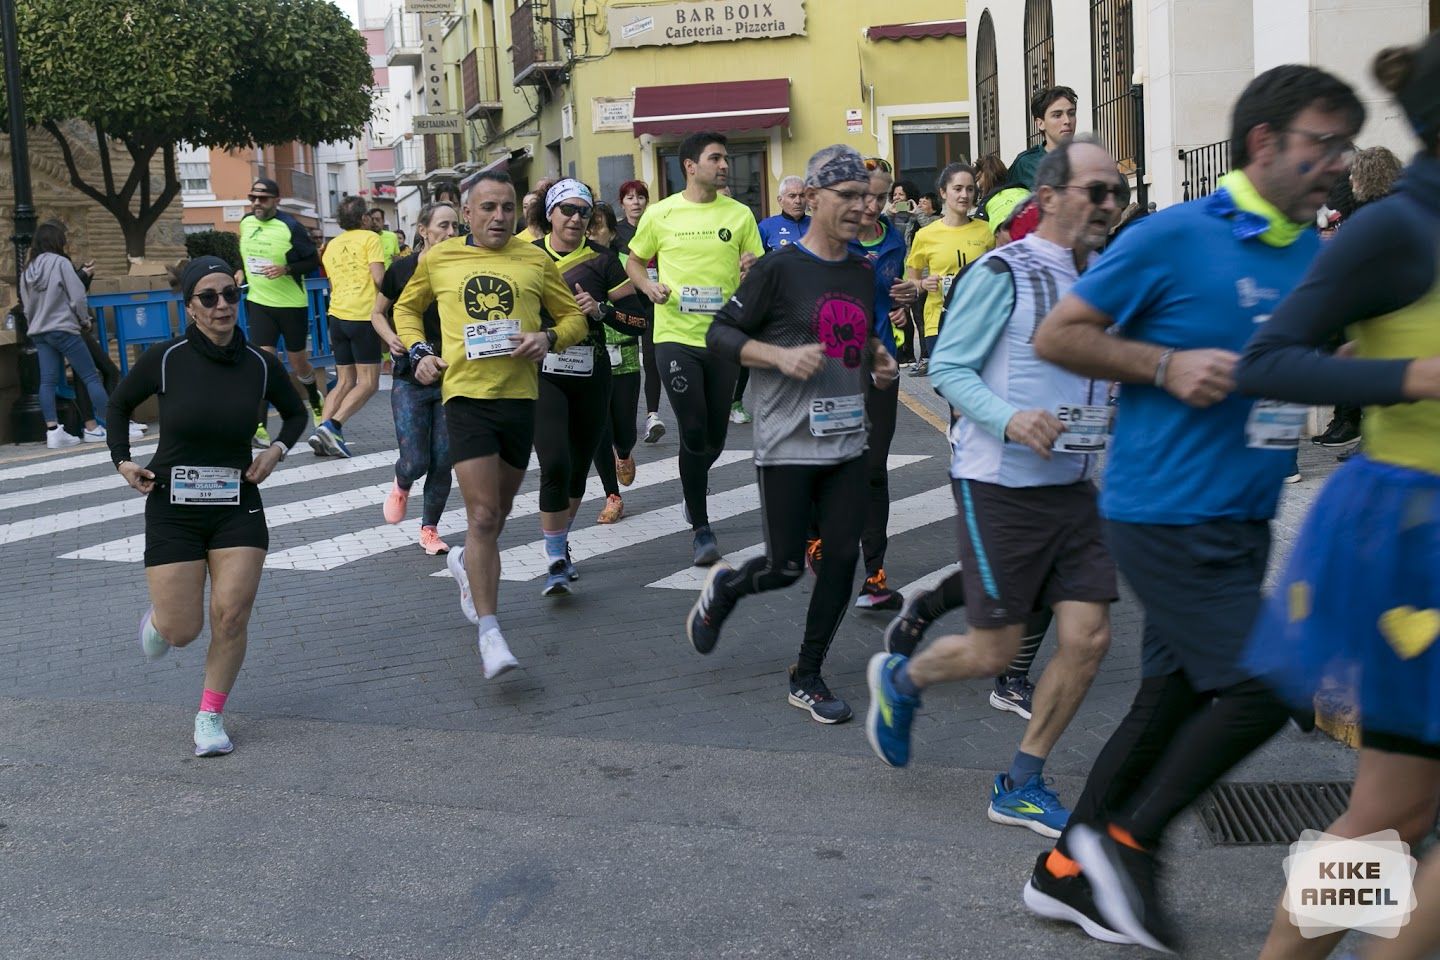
(924, 147)
(748, 162)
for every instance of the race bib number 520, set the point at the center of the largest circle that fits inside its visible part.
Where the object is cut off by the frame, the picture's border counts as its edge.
(490, 339)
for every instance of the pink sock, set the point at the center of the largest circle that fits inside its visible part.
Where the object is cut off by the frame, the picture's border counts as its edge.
(213, 702)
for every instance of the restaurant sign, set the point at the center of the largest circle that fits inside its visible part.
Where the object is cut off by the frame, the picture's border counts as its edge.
(704, 21)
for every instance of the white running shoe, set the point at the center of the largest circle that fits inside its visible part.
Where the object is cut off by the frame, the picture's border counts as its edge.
(151, 643)
(455, 563)
(210, 738)
(495, 655)
(137, 430)
(94, 436)
(654, 427)
(58, 438)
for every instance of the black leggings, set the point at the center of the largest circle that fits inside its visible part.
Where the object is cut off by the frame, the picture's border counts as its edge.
(618, 437)
(1173, 744)
(741, 382)
(700, 385)
(950, 595)
(788, 496)
(570, 415)
(881, 407)
(652, 371)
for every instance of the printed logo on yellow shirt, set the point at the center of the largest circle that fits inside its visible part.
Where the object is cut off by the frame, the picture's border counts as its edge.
(724, 234)
(488, 298)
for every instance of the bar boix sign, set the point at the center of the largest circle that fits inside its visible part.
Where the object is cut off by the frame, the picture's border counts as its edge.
(704, 21)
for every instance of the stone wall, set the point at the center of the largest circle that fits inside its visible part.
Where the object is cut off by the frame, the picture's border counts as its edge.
(94, 234)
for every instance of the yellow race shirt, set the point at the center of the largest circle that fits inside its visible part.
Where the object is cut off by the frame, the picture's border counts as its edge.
(941, 251)
(699, 246)
(347, 261)
(483, 295)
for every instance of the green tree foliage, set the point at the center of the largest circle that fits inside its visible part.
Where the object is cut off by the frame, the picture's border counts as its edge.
(218, 73)
(214, 243)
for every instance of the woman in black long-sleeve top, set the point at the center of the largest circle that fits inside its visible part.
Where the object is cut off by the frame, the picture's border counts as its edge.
(203, 514)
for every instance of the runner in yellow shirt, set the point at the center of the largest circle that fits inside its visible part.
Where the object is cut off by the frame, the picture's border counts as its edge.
(490, 287)
(942, 249)
(355, 265)
(705, 243)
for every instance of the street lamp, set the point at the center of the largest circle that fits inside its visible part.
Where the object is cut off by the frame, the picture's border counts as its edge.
(26, 422)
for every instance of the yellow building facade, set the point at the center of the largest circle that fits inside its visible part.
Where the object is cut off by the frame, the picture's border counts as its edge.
(605, 90)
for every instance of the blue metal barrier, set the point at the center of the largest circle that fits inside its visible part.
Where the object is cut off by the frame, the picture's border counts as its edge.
(145, 317)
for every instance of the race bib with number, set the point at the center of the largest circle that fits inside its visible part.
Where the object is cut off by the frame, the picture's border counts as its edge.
(653, 273)
(701, 299)
(490, 339)
(1274, 425)
(257, 264)
(205, 486)
(836, 415)
(613, 352)
(945, 283)
(571, 362)
(1087, 428)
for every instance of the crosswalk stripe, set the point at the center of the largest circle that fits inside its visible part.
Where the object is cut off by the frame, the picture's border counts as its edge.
(85, 516)
(349, 547)
(905, 515)
(62, 463)
(528, 562)
(930, 581)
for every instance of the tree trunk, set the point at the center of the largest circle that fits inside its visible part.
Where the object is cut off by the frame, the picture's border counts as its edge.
(134, 224)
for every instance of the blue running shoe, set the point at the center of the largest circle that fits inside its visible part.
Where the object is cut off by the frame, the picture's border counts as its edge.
(887, 723)
(1032, 804)
(557, 581)
(570, 570)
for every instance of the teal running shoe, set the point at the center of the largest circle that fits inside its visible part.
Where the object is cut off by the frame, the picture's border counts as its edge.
(151, 643)
(887, 723)
(1032, 804)
(210, 738)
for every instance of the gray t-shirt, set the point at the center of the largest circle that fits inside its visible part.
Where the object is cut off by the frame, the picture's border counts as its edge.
(791, 298)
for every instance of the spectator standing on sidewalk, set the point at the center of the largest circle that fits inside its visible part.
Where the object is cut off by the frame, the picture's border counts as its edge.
(55, 310)
(1054, 111)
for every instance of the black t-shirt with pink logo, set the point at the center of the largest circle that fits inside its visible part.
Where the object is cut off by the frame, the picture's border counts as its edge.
(791, 298)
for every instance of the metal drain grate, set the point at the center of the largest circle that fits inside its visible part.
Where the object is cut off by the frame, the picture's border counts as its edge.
(1237, 814)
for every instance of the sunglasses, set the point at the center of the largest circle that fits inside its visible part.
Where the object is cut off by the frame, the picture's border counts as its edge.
(1099, 191)
(259, 197)
(878, 163)
(568, 210)
(209, 298)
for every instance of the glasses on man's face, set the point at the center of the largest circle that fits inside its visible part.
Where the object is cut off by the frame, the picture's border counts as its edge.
(260, 198)
(1332, 146)
(1097, 192)
(568, 210)
(851, 197)
(209, 298)
(878, 163)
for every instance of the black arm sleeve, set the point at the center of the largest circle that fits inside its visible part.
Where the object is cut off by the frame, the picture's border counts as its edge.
(281, 393)
(743, 315)
(628, 322)
(141, 383)
(1376, 264)
(302, 258)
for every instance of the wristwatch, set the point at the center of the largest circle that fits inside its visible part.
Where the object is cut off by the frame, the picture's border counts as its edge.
(552, 336)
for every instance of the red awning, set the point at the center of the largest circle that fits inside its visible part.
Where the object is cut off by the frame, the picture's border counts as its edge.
(915, 31)
(691, 107)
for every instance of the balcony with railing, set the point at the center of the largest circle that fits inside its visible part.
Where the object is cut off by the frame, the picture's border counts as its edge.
(409, 162)
(442, 153)
(402, 39)
(480, 79)
(1204, 166)
(535, 43)
(294, 184)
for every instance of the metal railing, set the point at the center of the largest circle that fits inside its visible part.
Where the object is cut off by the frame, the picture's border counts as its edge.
(443, 151)
(1204, 166)
(1039, 58)
(402, 35)
(532, 42)
(987, 89)
(1112, 62)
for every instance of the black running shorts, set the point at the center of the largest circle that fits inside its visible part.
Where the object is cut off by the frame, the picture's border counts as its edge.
(178, 534)
(484, 428)
(1027, 548)
(354, 341)
(267, 325)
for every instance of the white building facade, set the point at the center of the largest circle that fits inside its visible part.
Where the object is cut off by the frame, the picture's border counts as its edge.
(1186, 61)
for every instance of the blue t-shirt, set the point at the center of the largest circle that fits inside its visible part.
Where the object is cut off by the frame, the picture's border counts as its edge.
(780, 231)
(887, 258)
(1190, 277)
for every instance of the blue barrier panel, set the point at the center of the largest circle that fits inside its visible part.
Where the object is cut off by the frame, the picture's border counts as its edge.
(136, 320)
(317, 291)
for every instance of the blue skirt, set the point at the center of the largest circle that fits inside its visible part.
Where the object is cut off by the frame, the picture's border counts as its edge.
(1359, 604)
